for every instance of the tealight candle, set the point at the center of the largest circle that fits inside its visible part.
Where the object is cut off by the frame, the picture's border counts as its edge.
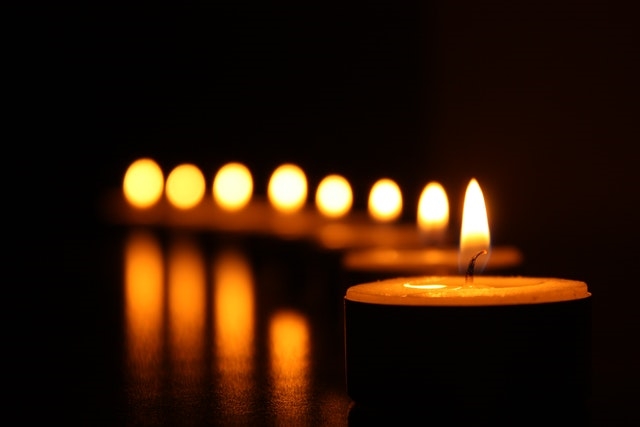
(491, 350)
(374, 263)
(486, 350)
(379, 227)
(233, 208)
(428, 253)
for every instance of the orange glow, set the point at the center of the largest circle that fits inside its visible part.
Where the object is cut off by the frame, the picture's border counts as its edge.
(433, 212)
(186, 293)
(474, 234)
(143, 183)
(334, 196)
(385, 200)
(143, 281)
(233, 298)
(289, 351)
(287, 188)
(233, 186)
(185, 186)
(234, 319)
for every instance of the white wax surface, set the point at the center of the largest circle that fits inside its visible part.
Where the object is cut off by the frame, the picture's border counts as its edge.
(455, 291)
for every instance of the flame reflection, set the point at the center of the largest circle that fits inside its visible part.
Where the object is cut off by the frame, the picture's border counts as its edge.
(289, 351)
(186, 310)
(143, 284)
(233, 307)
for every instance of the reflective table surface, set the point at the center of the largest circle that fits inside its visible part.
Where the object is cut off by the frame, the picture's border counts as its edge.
(148, 326)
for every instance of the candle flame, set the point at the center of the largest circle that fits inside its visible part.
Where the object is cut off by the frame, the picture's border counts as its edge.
(385, 200)
(143, 183)
(433, 212)
(185, 186)
(474, 234)
(287, 188)
(334, 196)
(233, 186)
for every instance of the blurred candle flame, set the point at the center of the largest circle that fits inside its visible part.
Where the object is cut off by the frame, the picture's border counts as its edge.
(289, 350)
(185, 186)
(433, 213)
(385, 200)
(144, 303)
(474, 234)
(186, 297)
(334, 196)
(234, 305)
(287, 189)
(143, 183)
(233, 186)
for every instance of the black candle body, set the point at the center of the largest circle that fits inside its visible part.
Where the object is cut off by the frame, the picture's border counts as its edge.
(485, 365)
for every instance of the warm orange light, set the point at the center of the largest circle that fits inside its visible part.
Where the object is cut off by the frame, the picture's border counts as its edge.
(185, 186)
(143, 183)
(234, 324)
(289, 342)
(385, 200)
(233, 302)
(474, 234)
(433, 212)
(144, 303)
(287, 188)
(334, 196)
(289, 357)
(233, 186)
(187, 303)
(289, 346)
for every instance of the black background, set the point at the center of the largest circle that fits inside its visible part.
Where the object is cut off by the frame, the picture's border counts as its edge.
(537, 100)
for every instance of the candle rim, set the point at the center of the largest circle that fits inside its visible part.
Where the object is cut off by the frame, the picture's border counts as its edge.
(484, 291)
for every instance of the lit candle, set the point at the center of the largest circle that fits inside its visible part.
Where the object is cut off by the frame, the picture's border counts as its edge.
(433, 213)
(290, 217)
(334, 197)
(431, 255)
(145, 199)
(377, 228)
(476, 349)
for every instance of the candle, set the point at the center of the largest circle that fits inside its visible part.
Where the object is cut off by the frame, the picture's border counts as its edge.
(377, 228)
(232, 208)
(488, 350)
(433, 213)
(358, 232)
(287, 191)
(479, 350)
(334, 196)
(413, 257)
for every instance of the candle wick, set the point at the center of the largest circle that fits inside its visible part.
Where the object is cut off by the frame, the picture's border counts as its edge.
(468, 278)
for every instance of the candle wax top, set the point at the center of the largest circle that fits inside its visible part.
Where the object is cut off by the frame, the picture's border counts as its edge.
(456, 291)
